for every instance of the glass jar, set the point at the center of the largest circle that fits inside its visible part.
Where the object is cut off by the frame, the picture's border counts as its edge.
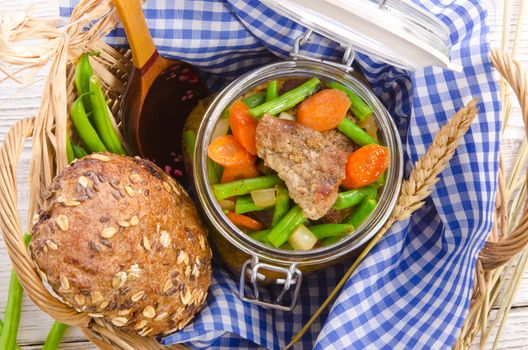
(260, 263)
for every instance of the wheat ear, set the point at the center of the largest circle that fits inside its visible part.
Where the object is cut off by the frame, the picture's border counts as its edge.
(413, 193)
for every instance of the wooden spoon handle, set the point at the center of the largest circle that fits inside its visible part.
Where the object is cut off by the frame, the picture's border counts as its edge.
(136, 28)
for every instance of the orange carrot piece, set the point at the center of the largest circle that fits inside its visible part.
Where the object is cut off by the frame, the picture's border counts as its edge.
(365, 165)
(243, 221)
(243, 126)
(233, 173)
(324, 110)
(226, 151)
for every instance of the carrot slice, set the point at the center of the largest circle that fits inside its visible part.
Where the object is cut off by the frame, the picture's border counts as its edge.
(323, 110)
(244, 221)
(233, 173)
(365, 165)
(243, 126)
(226, 151)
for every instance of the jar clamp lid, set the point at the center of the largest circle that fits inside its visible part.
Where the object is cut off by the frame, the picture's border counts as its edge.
(396, 32)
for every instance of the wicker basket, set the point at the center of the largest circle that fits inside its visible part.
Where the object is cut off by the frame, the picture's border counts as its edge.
(63, 47)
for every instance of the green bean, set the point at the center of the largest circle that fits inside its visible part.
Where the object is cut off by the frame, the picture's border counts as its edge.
(362, 212)
(101, 118)
(350, 198)
(189, 140)
(287, 246)
(360, 109)
(13, 309)
(330, 230)
(244, 186)
(2, 328)
(214, 171)
(54, 336)
(331, 240)
(287, 100)
(255, 100)
(69, 151)
(78, 151)
(282, 205)
(273, 91)
(245, 204)
(86, 132)
(355, 133)
(83, 73)
(380, 180)
(280, 233)
(260, 236)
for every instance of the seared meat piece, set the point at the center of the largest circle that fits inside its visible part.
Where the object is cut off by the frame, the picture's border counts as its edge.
(335, 216)
(311, 163)
(291, 84)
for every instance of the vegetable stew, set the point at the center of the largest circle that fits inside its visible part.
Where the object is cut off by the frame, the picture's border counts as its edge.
(300, 162)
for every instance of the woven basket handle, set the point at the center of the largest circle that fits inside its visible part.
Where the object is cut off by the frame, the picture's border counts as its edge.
(495, 254)
(12, 231)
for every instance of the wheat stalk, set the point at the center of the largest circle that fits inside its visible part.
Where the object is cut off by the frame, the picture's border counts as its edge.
(413, 193)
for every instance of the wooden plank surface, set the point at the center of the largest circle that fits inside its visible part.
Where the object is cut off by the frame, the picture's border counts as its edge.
(17, 102)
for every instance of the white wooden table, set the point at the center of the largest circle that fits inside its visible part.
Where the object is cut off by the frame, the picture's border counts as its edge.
(35, 323)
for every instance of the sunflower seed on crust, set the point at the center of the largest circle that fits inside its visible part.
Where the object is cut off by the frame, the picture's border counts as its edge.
(134, 271)
(83, 181)
(119, 321)
(96, 297)
(182, 256)
(65, 284)
(71, 203)
(35, 219)
(165, 239)
(51, 244)
(79, 299)
(186, 298)
(195, 271)
(119, 280)
(96, 315)
(100, 157)
(149, 312)
(130, 191)
(123, 223)
(136, 297)
(141, 324)
(108, 232)
(168, 285)
(161, 316)
(134, 220)
(124, 312)
(62, 222)
(146, 243)
(201, 240)
(145, 331)
(135, 178)
(166, 186)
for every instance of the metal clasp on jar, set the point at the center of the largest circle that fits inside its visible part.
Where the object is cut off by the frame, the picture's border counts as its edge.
(346, 61)
(292, 277)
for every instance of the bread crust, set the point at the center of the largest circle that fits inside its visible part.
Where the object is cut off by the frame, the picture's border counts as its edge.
(120, 239)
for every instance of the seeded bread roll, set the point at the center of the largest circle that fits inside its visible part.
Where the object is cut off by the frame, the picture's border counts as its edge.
(120, 239)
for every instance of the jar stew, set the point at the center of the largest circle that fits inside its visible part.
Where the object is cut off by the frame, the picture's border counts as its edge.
(296, 163)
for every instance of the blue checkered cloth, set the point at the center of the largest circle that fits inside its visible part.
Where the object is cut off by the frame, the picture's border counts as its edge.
(413, 289)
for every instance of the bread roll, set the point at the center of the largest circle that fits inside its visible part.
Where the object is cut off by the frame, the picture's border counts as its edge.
(120, 239)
